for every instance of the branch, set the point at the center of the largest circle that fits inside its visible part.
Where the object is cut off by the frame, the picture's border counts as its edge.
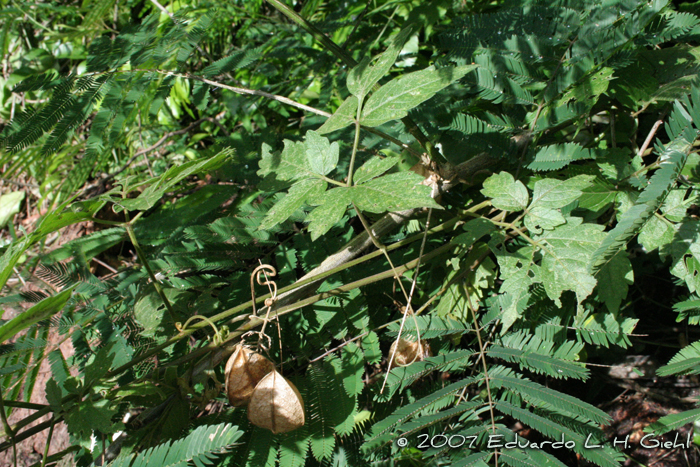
(350, 62)
(160, 142)
(294, 297)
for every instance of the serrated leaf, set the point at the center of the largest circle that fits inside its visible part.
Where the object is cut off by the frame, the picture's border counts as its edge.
(454, 298)
(514, 297)
(552, 193)
(100, 365)
(149, 312)
(322, 155)
(353, 369)
(589, 88)
(393, 192)
(366, 74)
(566, 259)
(373, 168)
(342, 117)
(370, 346)
(290, 164)
(613, 280)
(298, 194)
(393, 100)
(87, 416)
(540, 218)
(333, 205)
(674, 206)
(507, 193)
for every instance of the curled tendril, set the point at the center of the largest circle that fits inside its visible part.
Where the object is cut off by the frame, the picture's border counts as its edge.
(260, 343)
(218, 338)
(264, 271)
(257, 276)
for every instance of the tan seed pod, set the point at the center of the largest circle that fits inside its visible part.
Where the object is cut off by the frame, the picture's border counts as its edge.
(244, 370)
(276, 405)
(408, 352)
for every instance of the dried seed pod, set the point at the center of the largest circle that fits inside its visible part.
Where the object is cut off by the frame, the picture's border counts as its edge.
(276, 405)
(244, 370)
(408, 352)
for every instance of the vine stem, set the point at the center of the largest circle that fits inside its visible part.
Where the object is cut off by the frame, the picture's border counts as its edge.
(8, 430)
(290, 294)
(482, 355)
(409, 309)
(355, 143)
(48, 443)
(144, 261)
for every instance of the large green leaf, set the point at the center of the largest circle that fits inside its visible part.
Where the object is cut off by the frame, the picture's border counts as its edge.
(393, 100)
(368, 72)
(549, 195)
(567, 252)
(322, 155)
(333, 205)
(393, 192)
(373, 168)
(613, 280)
(343, 116)
(298, 194)
(290, 164)
(507, 193)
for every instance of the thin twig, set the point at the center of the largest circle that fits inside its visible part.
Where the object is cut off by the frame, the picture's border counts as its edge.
(158, 143)
(105, 265)
(650, 136)
(48, 443)
(154, 280)
(27, 185)
(482, 354)
(9, 432)
(163, 9)
(408, 307)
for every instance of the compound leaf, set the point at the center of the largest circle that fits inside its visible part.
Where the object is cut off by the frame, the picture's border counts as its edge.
(393, 100)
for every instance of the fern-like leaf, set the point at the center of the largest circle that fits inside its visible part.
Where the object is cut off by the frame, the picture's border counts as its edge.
(604, 457)
(540, 396)
(558, 156)
(200, 447)
(686, 361)
(537, 355)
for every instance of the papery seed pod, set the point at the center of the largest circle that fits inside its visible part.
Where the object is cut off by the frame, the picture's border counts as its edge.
(244, 370)
(408, 352)
(276, 405)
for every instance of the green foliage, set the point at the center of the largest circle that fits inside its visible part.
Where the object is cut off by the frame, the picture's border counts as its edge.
(201, 447)
(495, 150)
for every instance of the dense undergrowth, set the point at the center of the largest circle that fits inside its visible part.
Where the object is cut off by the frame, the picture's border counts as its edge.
(522, 167)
